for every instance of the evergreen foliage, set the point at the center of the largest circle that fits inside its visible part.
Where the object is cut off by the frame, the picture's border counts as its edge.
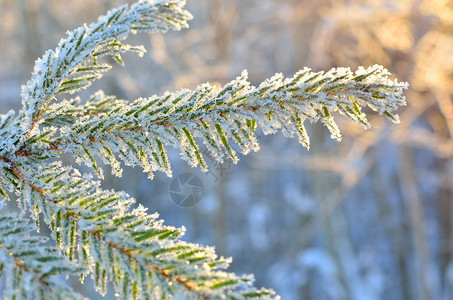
(97, 232)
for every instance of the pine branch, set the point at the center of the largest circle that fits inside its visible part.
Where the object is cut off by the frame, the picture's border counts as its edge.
(73, 65)
(31, 269)
(99, 229)
(138, 132)
(134, 250)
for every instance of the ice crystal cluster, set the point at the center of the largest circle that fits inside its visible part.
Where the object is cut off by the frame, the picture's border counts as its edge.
(100, 233)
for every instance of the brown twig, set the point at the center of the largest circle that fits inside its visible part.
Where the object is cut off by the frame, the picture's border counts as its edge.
(20, 264)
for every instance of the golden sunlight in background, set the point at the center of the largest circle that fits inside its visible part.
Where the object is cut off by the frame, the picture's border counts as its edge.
(379, 214)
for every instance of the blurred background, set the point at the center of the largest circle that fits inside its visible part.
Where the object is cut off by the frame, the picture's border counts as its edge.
(368, 218)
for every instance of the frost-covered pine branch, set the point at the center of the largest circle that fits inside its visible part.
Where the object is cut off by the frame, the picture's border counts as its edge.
(73, 65)
(98, 232)
(30, 268)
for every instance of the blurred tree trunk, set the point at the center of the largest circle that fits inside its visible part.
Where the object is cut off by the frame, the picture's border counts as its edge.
(446, 222)
(223, 15)
(414, 206)
(394, 228)
(28, 33)
(221, 216)
(322, 184)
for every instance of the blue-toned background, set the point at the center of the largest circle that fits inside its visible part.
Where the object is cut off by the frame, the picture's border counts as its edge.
(368, 218)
